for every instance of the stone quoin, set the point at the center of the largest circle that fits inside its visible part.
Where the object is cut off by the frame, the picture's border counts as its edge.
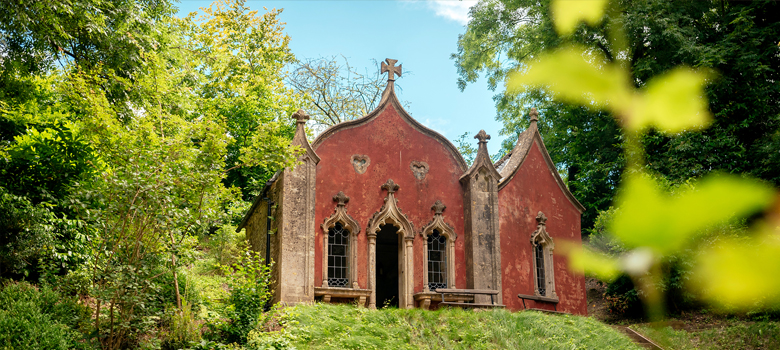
(384, 211)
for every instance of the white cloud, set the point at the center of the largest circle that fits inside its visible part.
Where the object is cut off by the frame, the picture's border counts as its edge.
(456, 10)
(437, 124)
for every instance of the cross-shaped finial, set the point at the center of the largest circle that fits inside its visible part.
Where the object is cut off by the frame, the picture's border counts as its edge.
(541, 219)
(341, 199)
(534, 115)
(482, 136)
(301, 116)
(390, 186)
(391, 69)
(438, 207)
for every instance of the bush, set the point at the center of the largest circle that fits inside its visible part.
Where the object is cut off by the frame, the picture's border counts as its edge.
(248, 280)
(183, 329)
(32, 318)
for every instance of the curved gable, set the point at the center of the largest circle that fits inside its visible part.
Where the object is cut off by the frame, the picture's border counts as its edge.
(389, 100)
(516, 160)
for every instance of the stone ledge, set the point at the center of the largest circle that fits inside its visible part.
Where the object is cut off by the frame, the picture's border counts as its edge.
(424, 299)
(348, 293)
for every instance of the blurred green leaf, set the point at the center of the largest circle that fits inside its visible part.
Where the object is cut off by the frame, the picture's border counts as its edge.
(597, 264)
(567, 73)
(650, 218)
(741, 274)
(673, 102)
(567, 14)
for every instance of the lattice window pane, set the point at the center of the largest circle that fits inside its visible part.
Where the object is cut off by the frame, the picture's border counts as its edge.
(338, 248)
(437, 261)
(539, 256)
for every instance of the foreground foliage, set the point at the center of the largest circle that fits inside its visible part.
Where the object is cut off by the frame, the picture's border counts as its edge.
(327, 326)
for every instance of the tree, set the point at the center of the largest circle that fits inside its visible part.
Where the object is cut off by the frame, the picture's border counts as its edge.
(240, 56)
(737, 39)
(334, 92)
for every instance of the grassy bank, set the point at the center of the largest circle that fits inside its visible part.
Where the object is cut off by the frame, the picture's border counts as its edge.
(731, 335)
(325, 326)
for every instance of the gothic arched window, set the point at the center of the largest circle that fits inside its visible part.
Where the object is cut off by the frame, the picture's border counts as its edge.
(339, 251)
(338, 256)
(437, 261)
(439, 267)
(542, 244)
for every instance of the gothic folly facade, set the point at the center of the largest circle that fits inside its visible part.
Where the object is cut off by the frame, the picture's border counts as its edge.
(383, 211)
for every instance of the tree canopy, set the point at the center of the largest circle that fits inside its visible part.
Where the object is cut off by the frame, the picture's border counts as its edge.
(737, 40)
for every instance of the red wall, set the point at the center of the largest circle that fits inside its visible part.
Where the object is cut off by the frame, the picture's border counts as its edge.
(532, 189)
(392, 144)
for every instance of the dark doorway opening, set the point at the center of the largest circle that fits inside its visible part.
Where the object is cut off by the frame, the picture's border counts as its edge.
(387, 266)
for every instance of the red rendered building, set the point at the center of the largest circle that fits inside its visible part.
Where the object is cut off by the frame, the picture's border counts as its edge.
(385, 211)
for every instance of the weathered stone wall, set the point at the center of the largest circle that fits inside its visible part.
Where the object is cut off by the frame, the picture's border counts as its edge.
(256, 228)
(297, 233)
(532, 189)
(275, 194)
(483, 249)
(389, 147)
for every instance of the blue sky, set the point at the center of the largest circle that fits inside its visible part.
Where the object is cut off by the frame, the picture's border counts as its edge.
(421, 35)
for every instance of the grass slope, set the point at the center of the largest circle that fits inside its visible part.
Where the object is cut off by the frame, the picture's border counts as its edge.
(326, 326)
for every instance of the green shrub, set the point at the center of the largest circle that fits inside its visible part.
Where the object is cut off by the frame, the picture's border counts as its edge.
(183, 328)
(248, 280)
(32, 318)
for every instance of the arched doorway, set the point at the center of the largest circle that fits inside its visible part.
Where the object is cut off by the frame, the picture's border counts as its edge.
(388, 256)
(394, 226)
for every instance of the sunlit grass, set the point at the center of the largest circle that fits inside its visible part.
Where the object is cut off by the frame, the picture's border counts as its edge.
(326, 326)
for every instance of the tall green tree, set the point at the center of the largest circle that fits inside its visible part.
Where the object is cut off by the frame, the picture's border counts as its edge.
(240, 56)
(737, 39)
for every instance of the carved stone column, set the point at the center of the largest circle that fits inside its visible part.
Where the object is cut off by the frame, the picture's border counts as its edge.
(482, 239)
(296, 229)
(372, 269)
(409, 273)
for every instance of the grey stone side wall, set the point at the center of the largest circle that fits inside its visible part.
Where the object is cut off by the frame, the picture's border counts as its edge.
(274, 193)
(256, 230)
(482, 239)
(297, 233)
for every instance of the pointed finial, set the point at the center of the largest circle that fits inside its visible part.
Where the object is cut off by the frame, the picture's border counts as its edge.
(482, 136)
(390, 186)
(391, 69)
(438, 207)
(301, 116)
(534, 114)
(341, 199)
(541, 219)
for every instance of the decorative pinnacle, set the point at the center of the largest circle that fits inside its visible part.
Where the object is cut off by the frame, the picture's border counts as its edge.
(390, 186)
(482, 136)
(341, 199)
(438, 207)
(541, 219)
(391, 69)
(301, 116)
(534, 114)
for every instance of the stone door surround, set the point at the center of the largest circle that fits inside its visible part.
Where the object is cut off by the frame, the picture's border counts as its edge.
(389, 213)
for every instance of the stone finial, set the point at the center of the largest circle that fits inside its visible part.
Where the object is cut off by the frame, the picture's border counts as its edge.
(541, 219)
(438, 207)
(390, 186)
(301, 116)
(391, 69)
(482, 136)
(534, 114)
(341, 199)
